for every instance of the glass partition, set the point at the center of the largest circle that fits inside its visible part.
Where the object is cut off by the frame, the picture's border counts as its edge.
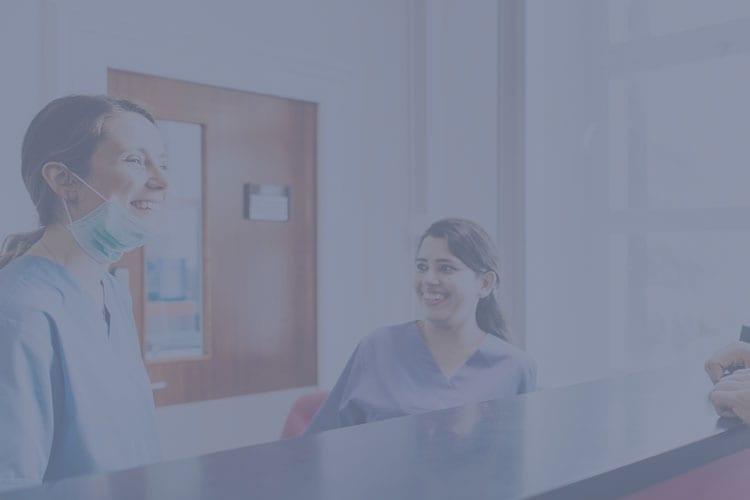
(174, 316)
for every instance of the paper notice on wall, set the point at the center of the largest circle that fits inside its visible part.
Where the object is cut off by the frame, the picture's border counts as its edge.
(266, 202)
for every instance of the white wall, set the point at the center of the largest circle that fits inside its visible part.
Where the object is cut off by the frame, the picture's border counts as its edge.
(637, 214)
(566, 268)
(21, 55)
(407, 133)
(459, 176)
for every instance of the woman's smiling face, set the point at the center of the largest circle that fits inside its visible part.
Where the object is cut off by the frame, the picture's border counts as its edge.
(448, 290)
(129, 165)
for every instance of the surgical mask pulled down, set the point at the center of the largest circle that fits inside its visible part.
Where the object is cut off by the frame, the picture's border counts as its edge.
(108, 231)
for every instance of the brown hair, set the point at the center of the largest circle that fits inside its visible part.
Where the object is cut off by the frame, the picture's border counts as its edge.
(67, 130)
(473, 246)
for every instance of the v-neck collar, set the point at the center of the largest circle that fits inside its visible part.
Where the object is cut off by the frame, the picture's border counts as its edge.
(450, 381)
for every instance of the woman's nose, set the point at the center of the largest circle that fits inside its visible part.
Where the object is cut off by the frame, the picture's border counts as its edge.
(431, 277)
(157, 178)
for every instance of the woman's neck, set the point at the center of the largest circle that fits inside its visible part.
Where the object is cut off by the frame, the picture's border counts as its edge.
(57, 244)
(451, 348)
(465, 335)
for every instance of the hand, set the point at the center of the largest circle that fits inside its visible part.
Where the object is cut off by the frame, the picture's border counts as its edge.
(731, 396)
(735, 355)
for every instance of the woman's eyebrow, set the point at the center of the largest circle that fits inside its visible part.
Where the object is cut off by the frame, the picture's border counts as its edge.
(439, 261)
(160, 157)
(129, 151)
(448, 261)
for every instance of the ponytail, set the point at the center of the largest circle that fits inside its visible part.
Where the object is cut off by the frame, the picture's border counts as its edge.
(18, 244)
(490, 319)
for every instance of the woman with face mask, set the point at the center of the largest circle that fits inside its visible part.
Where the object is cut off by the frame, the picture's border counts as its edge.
(457, 353)
(74, 395)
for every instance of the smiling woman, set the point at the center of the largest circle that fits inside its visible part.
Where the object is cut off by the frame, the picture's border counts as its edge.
(74, 396)
(457, 353)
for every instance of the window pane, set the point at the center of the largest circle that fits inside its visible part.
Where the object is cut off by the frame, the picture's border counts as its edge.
(630, 18)
(679, 136)
(677, 295)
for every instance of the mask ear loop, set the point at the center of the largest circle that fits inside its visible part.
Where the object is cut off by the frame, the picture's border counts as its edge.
(87, 185)
(65, 204)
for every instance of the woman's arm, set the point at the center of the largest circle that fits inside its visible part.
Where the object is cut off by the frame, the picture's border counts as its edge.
(336, 410)
(26, 401)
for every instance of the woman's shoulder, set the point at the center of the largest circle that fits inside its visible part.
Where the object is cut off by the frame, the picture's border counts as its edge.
(505, 356)
(501, 350)
(28, 287)
(390, 335)
(381, 344)
(30, 274)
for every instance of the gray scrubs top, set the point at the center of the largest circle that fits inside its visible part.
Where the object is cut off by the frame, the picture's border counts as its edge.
(74, 394)
(393, 373)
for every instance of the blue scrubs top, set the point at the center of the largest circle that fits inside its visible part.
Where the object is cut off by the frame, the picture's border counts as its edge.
(74, 394)
(393, 373)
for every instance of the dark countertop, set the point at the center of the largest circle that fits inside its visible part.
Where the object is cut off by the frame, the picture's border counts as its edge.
(600, 439)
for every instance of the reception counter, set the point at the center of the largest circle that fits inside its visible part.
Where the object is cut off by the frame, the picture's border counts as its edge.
(645, 435)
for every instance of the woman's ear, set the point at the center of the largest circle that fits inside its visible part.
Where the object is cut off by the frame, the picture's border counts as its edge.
(60, 180)
(488, 283)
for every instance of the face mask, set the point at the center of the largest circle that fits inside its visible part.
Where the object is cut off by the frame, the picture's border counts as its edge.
(108, 231)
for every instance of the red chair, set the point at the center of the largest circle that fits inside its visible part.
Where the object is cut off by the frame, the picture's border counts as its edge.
(302, 412)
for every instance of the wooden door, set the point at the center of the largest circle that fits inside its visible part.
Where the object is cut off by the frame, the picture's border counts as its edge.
(259, 276)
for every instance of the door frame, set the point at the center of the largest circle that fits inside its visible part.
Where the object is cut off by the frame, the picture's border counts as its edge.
(77, 52)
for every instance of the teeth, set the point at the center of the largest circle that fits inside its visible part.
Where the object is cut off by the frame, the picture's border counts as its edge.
(145, 205)
(433, 296)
